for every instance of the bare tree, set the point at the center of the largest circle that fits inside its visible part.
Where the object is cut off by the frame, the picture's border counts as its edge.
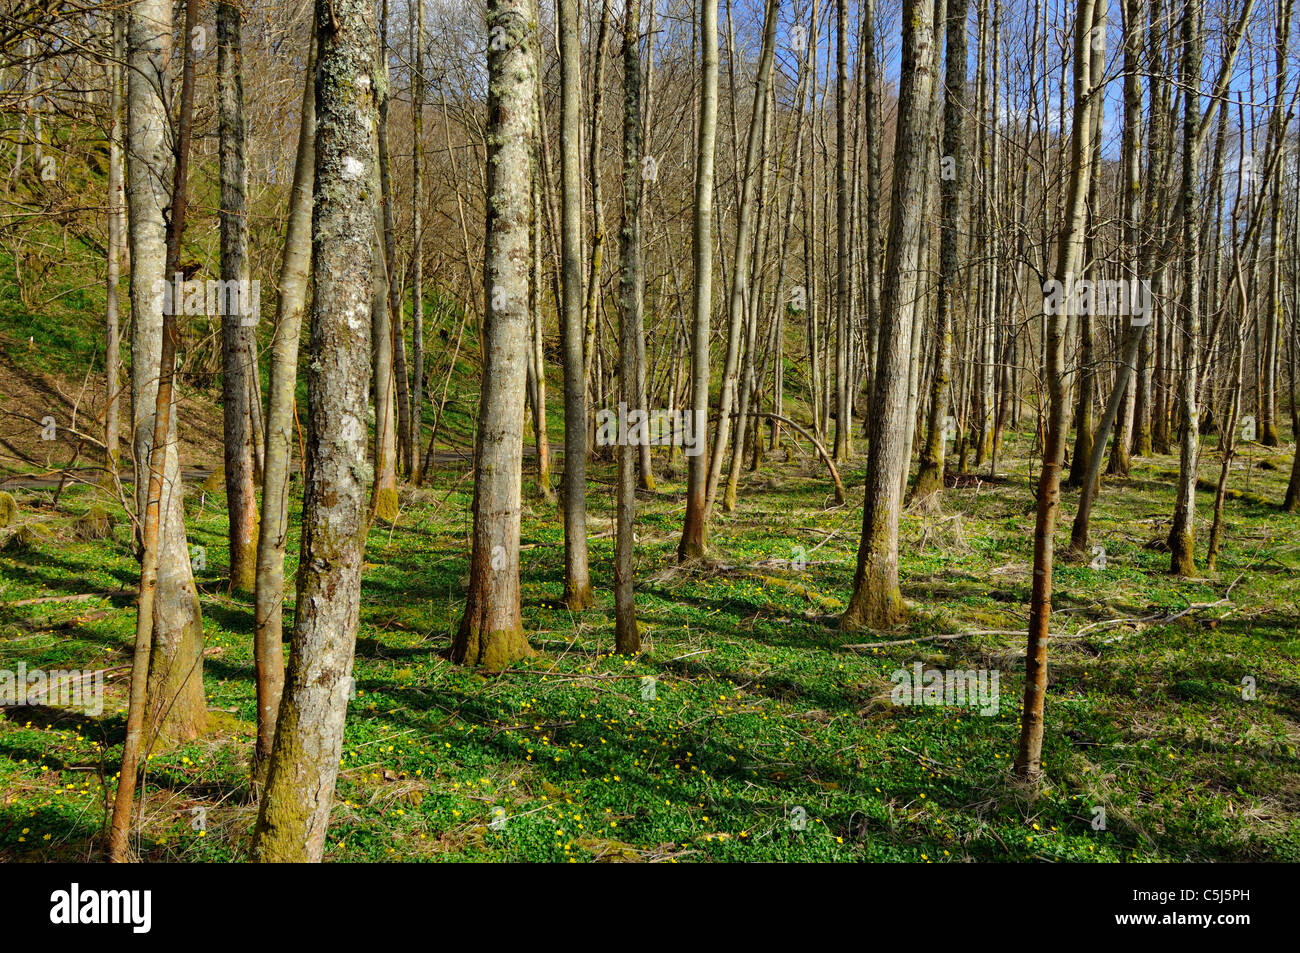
(116, 227)
(952, 188)
(416, 15)
(577, 582)
(166, 665)
(627, 639)
(273, 537)
(1182, 536)
(877, 601)
(491, 632)
(694, 542)
(1088, 43)
(294, 811)
(236, 323)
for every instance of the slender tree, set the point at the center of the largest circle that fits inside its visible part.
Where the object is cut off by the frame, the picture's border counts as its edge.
(113, 271)
(693, 545)
(1088, 43)
(416, 468)
(273, 536)
(166, 665)
(952, 191)
(1182, 537)
(577, 582)
(877, 601)
(491, 633)
(384, 340)
(176, 705)
(236, 323)
(743, 307)
(843, 234)
(627, 640)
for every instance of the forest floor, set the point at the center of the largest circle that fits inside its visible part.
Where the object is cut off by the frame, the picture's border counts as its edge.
(751, 728)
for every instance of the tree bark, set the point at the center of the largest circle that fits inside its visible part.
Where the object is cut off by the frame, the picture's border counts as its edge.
(1182, 534)
(237, 327)
(1087, 44)
(294, 812)
(274, 533)
(877, 601)
(577, 581)
(491, 633)
(694, 541)
(627, 640)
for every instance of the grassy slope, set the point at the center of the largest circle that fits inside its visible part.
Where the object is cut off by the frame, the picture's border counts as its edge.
(760, 709)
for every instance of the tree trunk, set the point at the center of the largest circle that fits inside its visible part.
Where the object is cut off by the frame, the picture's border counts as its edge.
(1122, 391)
(577, 581)
(401, 401)
(116, 214)
(1272, 323)
(273, 537)
(177, 709)
(236, 327)
(536, 363)
(1087, 45)
(740, 304)
(627, 640)
(491, 633)
(1182, 535)
(694, 541)
(843, 234)
(417, 237)
(166, 694)
(294, 812)
(877, 601)
(952, 188)
(597, 197)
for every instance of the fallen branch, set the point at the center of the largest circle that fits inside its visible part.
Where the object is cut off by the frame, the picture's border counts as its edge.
(933, 638)
(77, 598)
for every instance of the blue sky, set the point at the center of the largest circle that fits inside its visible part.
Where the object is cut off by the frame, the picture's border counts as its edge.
(1017, 20)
